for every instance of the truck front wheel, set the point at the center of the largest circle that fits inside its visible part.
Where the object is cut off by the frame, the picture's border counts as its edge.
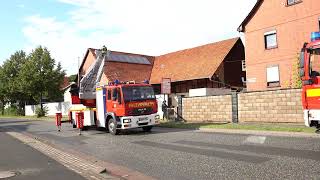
(112, 127)
(147, 128)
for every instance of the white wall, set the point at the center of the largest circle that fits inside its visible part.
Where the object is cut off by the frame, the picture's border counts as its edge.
(67, 95)
(53, 108)
(208, 92)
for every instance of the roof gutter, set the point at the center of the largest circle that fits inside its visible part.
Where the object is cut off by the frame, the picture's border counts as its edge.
(241, 28)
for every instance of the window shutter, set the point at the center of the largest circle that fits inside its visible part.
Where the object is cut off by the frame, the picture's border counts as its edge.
(273, 74)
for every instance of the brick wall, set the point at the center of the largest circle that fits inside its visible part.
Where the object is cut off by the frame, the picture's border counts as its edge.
(271, 106)
(210, 108)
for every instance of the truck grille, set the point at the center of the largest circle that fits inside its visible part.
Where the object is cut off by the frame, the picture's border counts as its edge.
(142, 111)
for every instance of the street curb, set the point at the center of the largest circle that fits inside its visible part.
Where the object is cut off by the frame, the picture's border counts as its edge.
(110, 171)
(261, 133)
(84, 168)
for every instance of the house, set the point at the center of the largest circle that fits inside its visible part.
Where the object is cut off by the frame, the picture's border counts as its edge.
(120, 65)
(215, 65)
(275, 31)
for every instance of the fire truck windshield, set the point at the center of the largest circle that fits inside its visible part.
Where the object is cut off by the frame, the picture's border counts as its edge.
(137, 93)
(315, 62)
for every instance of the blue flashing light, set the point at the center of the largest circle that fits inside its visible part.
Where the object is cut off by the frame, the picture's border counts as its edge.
(116, 81)
(315, 36)
(146, 82)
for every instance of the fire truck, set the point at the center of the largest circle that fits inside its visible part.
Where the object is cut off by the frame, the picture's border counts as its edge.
(116, 105)
(310, 75)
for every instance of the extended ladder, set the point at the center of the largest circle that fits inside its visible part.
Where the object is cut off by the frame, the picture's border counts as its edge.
(92, 77)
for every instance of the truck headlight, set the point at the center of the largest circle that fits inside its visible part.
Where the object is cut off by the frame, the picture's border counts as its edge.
(157, 117)
(126, 120)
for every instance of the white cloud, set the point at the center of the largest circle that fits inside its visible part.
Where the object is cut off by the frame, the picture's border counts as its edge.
(140, 26)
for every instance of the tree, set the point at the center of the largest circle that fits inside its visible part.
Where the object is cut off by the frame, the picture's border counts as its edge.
(72, 78)
(40, 77)
(295, 79)
(3, 91)
(9, 80)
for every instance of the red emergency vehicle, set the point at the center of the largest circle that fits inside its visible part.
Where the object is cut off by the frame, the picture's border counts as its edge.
(114, 106)
(126, 106)
(310, 74)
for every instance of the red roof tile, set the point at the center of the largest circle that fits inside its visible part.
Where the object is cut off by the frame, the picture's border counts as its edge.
(127, 71)
(65, 83)
(194, 63)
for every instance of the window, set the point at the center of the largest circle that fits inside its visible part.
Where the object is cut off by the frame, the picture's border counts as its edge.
(319, 23)
(292, 2)
(273, 79)
(243, 64)
(115, 94)
(270, 40)
(314, 62)
(109, 94)
(138, 93)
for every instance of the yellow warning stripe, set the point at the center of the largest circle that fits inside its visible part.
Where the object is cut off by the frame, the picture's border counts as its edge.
(313, 92)
(81, 109)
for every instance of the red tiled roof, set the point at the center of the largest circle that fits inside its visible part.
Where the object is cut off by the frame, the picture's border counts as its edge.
(194, 63)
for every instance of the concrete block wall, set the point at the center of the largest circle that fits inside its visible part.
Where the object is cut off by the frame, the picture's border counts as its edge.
(210, 108)
(282, 106)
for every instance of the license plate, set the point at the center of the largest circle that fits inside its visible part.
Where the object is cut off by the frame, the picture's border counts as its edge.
(143, 119)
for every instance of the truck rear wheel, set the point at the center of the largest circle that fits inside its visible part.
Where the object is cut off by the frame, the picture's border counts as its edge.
(147, 128)
(112, 127)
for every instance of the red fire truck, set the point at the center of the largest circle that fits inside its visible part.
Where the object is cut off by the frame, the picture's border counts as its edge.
(115, 106)
(310, 74)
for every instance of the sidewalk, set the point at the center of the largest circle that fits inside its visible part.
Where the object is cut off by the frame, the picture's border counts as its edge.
(24, 162)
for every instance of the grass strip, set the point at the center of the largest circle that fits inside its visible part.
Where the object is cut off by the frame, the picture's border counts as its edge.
(46, 118)
(241, 126)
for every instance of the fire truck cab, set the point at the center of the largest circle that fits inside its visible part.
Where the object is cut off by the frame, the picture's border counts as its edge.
(310, 75)
(126, 106)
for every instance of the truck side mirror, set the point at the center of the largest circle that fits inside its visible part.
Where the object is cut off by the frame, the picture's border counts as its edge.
(301, 62)
(301, 72)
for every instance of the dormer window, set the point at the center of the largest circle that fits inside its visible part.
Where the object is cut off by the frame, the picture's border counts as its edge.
(292, 2)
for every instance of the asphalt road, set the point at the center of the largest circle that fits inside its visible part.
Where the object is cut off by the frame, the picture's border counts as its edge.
(26, 163)
(187, 154)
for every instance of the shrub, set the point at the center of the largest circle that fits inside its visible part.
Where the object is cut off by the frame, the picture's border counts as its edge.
(13, 110)
(41, 112)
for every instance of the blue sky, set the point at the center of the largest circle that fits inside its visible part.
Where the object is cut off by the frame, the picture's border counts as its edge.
(12, 16)
(68, 27)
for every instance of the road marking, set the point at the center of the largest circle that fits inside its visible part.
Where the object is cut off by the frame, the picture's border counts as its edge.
(255, 139)
(7, 174)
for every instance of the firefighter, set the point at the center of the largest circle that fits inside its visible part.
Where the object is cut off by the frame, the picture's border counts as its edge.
(165, 109)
